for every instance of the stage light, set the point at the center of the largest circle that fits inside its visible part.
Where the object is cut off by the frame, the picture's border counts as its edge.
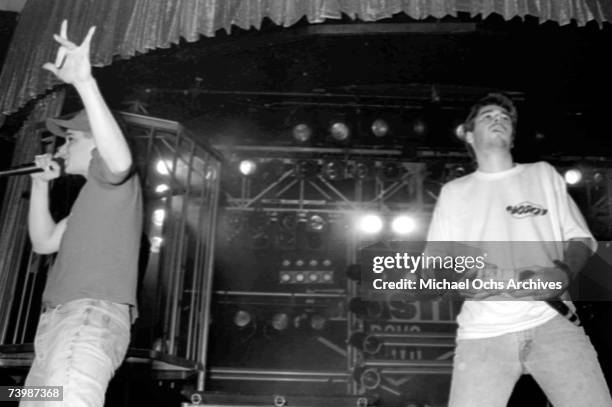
(302, 133)
(285, 277)
(370, 224)
(598, 177)
(307, 169)
(280, 321)
(156, 243)
(313, 263)
(161, 188)
(327, 262)
(403, 225)
(419, 127)
(340, 131)
(318, 322)
(316, 223)
(247, 167)
(380, 128)
(391, 171)
(242, 318)
(163, 167)
(361, 171)
(158, 216)
(573, 176)
(333, 170)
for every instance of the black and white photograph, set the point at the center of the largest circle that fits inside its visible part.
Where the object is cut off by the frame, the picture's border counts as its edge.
(305, 203)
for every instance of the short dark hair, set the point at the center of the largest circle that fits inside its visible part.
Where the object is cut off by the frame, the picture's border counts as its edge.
(496, 99)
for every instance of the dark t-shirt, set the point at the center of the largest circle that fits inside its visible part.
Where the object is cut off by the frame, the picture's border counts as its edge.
(98, 254)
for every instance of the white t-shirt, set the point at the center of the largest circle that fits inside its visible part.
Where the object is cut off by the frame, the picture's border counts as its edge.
(527, 203)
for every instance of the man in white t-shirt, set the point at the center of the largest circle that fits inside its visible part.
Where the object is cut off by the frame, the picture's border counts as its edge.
(535, 225)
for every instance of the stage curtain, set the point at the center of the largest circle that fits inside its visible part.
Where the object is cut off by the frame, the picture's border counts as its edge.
(129, 27)
(14, 209)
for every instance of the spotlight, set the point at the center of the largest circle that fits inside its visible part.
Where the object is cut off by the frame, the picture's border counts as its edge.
(156, 243)
(161, 188)
(598, 177)
(391, 171)
(163, 167)
(158, 216)
(361, 170)
(280, 321)
(328, 277)
(307, 169)
(318, 322)
(247, 167)
(316, 223)
(242, 318)
(333, 170)
(340, 131)
(403, 224)
(419, 127)
(370, 224)
(380, 128)
(573, 176)
(302, 132)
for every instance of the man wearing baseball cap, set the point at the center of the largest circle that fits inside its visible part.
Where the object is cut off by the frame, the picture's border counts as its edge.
(89, 299)
(502, 334)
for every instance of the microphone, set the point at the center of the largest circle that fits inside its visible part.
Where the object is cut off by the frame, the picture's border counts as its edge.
(29, 168)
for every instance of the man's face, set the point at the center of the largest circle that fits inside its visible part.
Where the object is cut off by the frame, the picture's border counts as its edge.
(492, 129)
(76, 152)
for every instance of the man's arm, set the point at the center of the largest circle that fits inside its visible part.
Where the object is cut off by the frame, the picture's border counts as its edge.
(73, 66)
(45, 234)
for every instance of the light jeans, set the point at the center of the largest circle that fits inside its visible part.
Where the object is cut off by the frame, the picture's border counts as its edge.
(79, 345)
(557, 354)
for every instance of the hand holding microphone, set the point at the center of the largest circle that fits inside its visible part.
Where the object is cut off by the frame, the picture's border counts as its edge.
(51, 168)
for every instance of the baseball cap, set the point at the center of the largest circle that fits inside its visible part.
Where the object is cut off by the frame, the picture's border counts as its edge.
(75, 121)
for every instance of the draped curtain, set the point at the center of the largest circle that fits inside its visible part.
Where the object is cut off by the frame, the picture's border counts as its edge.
(128, 27)
(13, 213)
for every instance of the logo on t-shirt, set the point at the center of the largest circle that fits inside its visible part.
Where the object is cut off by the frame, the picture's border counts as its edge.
(525, 209)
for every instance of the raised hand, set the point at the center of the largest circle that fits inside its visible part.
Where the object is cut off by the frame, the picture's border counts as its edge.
(72, 64)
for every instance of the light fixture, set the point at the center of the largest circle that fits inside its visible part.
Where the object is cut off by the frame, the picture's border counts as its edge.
(380, 128)
(280, 321)
(316, 223)
(340, 131)
(391, 171)
(161, 188)
(361, 170)
(156, 242)
(164, 167)
(158, 216)
(403, 225)
(247, 167)
(370, 224)
(242, 318)
(573, 176)
(307, 169)
(301, 132)
(333, 170)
